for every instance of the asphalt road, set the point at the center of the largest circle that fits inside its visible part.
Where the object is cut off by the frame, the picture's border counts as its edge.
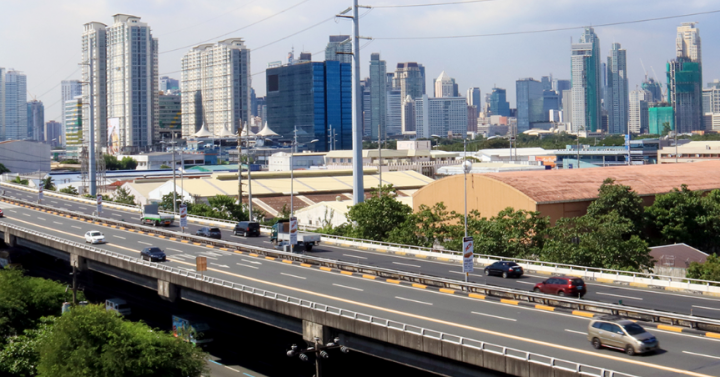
(610, 293)
(554, 334)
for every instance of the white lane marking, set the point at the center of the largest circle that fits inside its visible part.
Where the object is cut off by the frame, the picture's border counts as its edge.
(345, 286)
(246, 265)
(525, 282)
(700, 354)
(576, 332)
(621, 296)
(232, 369)
(495, 316)
(460, 272)
(267, 242)
(52, 201)
(179, 251)
(41, 218)
(145, 243)
(77, 227)
(121, 237)
(221, 265)
(295, 276)
(57, 222)
(25, 214)
(354, 256)
(251, 261)
(205, 256)
(13, 211)
(64, 209)
(704, 307)
(405, 264)
(407, 299)
(117, 214)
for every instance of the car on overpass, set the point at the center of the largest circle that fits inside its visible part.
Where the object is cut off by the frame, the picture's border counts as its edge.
(94, 236)
(2, 214)
(153, 254)
(209, 232)
(562, 286)
(505, 269)
(622, 334)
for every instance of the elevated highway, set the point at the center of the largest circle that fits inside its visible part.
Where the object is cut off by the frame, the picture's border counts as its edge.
(555, 335)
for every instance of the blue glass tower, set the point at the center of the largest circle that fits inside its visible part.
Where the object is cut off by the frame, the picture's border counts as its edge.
(498, 103)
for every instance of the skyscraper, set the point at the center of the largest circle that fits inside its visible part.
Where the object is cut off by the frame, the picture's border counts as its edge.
(560, 86)
(473, 98)
(69, 89)
(35, 120)
(410, 79)
(440, 116)
(132, 69)
(529, 96)
(551, 101)
(339, 43)
(586, 82)
(366, 107)
(617, 91)
(445, 86)
(53, 133)
(15, 106)
(169, 116)
(215, 87)
(684, 77)
(498, 103)
(378, 96)
(94, 47)
(393, 122)
(655, 90)
(169, 84)
(408, 116)
(73, 132)
(547, 82)
(638, 111)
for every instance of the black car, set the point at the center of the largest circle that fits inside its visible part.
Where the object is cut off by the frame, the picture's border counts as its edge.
(208, 232)
(153, 254)
(504, 269)
(247, 229)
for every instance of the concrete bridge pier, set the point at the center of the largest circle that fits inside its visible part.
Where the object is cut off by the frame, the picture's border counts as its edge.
(9, 239)
(167, 290)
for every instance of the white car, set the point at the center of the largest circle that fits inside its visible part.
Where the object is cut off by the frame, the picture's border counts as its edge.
(94, 236)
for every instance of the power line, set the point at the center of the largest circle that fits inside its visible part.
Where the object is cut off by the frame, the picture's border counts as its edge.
(236, 30)
(556, 29)
(431, 4)
(58, 84)
(209, 19)
(296, 33)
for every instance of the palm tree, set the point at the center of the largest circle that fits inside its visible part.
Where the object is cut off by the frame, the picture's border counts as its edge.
(48, 183)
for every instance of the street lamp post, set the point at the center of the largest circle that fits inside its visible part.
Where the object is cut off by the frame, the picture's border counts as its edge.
(317, 350)
(466, 170)
(292, 177)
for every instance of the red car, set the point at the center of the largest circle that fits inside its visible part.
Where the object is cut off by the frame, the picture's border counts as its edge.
(562, 286)
(2, 214)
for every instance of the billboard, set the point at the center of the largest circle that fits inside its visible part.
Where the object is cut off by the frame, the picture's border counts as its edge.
(468, 254)
(113, 134)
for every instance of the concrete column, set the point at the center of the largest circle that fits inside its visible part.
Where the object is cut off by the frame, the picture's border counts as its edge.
(312, 330)
(167, 291)
(9, 238)
(78, 262)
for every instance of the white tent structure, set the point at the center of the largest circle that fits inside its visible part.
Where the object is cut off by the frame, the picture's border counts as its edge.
(266, 132)
(226, 133)
(203, 132)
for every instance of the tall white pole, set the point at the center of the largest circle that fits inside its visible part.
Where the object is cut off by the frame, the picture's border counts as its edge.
(357, 163)
(174, 168)
(91, 148)
(250, 212)
(292, 180)
(465, 186)
(380, 161)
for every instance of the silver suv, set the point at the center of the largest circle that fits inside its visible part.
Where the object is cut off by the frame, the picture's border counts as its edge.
(622, 334)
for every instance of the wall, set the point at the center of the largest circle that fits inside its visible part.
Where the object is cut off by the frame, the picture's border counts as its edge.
(25, 156)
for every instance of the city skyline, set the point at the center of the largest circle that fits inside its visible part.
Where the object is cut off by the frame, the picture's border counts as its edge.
(187, 24)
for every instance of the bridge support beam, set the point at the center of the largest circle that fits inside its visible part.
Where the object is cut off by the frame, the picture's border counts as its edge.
(9, 238)
(79, 262)
(311, 330)
(167, 291)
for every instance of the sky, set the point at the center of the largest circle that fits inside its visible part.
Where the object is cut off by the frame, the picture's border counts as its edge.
(42, 37)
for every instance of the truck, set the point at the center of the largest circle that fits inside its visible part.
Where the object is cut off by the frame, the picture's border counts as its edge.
(281, 234)
(152, 216)
(192, 330)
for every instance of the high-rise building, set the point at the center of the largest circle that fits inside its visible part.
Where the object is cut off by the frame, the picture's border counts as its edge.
(638, 111)
(132, 78)
(393, 122)
(560, 86)
(472, 118)
(53, 133)
(215, 87)
(445, 86)
(567, 102)
(617, 91)
(315, 97)
(69, 90)
(529, 97)
(473, 98)
(655, 90)
(15, 106)
(442, 116)
(684, 78)
(551, 102)
(35, 120)
(408, 118)
(169, 116)
(378, 96)
(410, 79)
(168, 84)
(94, 47)
(366, 107)
(660, 118)
(547, 82)
(498, 102)
(73, 110)
(342, 44)
(586, 83)
(2, 104)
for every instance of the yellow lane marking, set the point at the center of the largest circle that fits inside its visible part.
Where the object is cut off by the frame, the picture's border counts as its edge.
(287, 261)
(450, 291)
(197, 244)
(511, 302)
(419, 286)
(326, 268)
(239, 252)
(184, 241)
(346, 272)
(210, 246)
(545, 307)
(173, 239)
(224, 249)
(162, 236)
(603, 280)
(421, 256)
(253, 255)
(475, 295)
(393, 281)
(670, 328)
(712, 335)
(583, 314)
(371, 277)
(465, 327)
(269, 258)
(303, 264)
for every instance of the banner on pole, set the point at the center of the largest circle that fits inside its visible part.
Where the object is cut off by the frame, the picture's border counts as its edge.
(183, 215)
(293, 230)
(468, 254)
(99, 203)
(40, 192)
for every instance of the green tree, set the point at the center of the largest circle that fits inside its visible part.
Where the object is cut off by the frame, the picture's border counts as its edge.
(424, 227)
(48, 183)
(123, 196)
(375, 217)
(676, 217)
(620, 198)
(596, 241)
(128, 163)
(90, 341)
(69, 190)
(21, 353)
(3, 169)
(666, 128)
(20, 181)
(163, 166)
(708, 270)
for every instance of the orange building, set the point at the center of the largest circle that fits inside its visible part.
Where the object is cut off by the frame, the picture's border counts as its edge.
(562, 193)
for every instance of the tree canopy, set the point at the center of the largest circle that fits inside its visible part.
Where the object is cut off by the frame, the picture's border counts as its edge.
(375, 217)
(126, 163)
(708, 270)
(123, 196)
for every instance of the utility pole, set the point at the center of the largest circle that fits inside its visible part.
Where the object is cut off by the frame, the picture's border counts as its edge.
(380, 161)
(74, 283)
(239, 148)
(250, 203)
(318, 351)
(465, 171)
(174, 168)
(91, 149)
(292, 181)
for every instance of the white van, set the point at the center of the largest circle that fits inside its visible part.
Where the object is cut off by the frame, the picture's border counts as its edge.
(118, 305)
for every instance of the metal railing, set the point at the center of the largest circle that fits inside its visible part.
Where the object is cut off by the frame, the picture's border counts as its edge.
(433, 281)
(550, 361)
